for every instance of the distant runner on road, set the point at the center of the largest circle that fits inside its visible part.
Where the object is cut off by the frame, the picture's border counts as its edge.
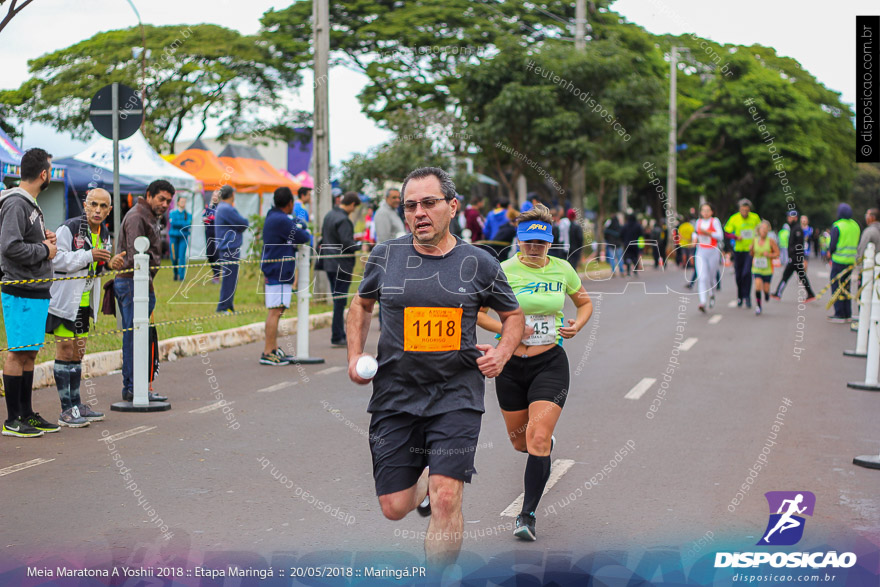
(427, 400)
(763, 251)
(707, 234)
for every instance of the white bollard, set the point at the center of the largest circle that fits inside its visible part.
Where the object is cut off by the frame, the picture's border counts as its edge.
(141, 336)
(872, 369)
(303, 295)
(864, 306)
(141, 323)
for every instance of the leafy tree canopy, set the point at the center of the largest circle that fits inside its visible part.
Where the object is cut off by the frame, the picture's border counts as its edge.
(194, 74)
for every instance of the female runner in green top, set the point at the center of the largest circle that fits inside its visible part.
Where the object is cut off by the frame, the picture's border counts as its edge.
(763, 251)
(534, 384)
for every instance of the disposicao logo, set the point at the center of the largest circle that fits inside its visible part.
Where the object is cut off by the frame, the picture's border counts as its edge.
(786, 528)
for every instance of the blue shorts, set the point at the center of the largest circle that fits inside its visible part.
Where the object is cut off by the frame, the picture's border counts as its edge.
(25, 321)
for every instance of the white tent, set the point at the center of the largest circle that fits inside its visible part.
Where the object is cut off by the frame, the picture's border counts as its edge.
(138, 160)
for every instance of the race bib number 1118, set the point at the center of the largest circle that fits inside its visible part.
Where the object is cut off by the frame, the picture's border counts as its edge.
(432, 329)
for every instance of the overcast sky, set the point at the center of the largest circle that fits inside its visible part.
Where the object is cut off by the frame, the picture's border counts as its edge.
(824, 44)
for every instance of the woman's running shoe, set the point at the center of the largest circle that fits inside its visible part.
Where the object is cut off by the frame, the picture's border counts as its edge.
(525, 527)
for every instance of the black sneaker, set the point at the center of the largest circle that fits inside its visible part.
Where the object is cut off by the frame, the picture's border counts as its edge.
(424, 508)
(525, 527)
(273, 359)
(20, 429)
(341, 344)
(36, 421)
(283, 355)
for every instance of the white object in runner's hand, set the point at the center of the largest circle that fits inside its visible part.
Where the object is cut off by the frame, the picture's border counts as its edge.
(366, 367)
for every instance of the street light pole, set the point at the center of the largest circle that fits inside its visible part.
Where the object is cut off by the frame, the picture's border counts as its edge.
(323, 199)
(671, 179)
(580, 15)
(143, 62)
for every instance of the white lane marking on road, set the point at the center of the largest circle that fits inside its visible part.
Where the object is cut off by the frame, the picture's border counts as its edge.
(640, 388)
(126, 434)
(731, 304)
(23, 466)
(715, 319)
(211, 407)
(557, 470)
(688, 344)
(330, 370)
(277, 386)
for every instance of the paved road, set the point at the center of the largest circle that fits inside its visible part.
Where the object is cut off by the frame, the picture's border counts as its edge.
(209, 475)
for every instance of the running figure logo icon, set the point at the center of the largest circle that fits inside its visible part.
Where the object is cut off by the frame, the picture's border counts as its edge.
(786, 525)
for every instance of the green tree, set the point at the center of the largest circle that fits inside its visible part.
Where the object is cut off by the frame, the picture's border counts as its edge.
(194, 74)
(412, 50)
(536, 112)
(431, 138)
(729, 98)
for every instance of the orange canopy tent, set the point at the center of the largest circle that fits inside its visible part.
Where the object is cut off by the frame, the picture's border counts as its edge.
(269, 171)
(248, 158)
(197, 160)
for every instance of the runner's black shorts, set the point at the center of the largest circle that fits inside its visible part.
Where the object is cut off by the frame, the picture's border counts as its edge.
(544, 377)
(78, 326)
(403, 445)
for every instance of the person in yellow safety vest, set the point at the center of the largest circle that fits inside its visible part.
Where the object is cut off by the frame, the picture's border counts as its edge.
(842, 251)
(741, 227)
(686, 246)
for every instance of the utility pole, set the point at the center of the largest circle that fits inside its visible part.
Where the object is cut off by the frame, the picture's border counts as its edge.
(323, 199)
(578, 172)
(671, 179)
(143, 63)
(580, 15)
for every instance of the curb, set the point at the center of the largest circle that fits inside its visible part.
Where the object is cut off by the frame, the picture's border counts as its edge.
(172, 349)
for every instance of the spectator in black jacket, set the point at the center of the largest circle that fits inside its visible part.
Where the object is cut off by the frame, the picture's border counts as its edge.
(210, 238)
(338, 239)
(630, 234)
(575, 240)
(796, 259)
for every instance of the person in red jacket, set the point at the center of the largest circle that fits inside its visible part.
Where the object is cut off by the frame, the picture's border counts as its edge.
(473, 216)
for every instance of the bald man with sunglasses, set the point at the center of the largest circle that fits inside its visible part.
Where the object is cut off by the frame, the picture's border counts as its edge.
(83, 250)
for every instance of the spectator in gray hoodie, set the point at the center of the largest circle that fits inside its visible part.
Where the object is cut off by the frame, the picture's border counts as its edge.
(26, 251)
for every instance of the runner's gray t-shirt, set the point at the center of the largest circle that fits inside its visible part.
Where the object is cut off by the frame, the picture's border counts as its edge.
(420, 295)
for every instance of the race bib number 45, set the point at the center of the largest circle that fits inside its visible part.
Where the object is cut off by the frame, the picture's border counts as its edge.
(544, 330)
(432, 329)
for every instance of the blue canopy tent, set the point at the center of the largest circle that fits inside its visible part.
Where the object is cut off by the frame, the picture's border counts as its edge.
(52, 201)
(81, 177)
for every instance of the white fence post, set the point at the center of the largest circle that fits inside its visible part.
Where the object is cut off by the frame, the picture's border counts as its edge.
(873, 365)
(303, 295)
(864, 305)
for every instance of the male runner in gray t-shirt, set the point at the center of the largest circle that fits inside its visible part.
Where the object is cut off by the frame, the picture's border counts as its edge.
(427, 398)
